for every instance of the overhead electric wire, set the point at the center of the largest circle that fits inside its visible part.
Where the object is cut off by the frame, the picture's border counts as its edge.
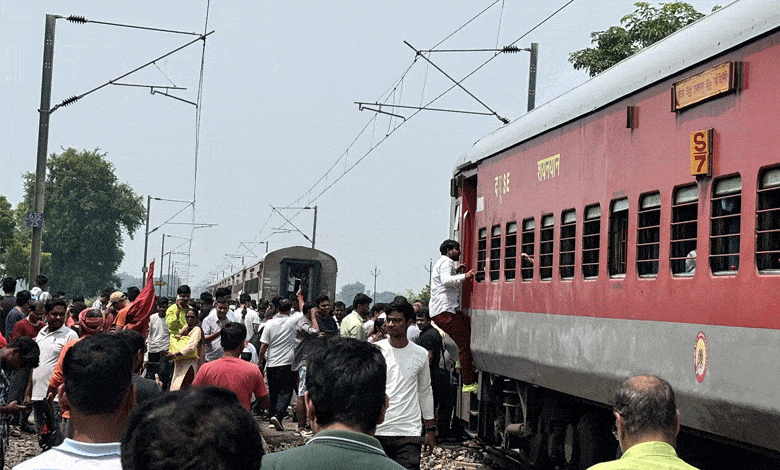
(425, 82)
(166, 76)
(500, 18)
(198, 114)
(171, 217)
(457, 83)
(72, 99)
(387, 94)
(508, 49)
(479, 113)
(149, 86)
(493, 57)
(83, 20)
(466, 24)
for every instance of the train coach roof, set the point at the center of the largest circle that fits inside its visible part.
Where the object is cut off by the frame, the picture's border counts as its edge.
(710, 36)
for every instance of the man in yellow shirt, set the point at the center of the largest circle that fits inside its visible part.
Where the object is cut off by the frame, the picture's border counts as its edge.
(352, 324)
(647, 422)
(175, 315)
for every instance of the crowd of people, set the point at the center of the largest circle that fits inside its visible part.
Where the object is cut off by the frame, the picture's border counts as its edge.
(139, 382)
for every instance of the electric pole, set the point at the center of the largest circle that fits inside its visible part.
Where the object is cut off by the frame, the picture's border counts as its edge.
(43, 144)
(376, 274)
(532, 76)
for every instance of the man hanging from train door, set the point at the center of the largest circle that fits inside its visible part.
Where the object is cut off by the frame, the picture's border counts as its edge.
(446, 279)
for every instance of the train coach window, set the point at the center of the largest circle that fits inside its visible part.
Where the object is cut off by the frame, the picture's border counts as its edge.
(510, 251)
(527, 247)
(495, 253)
(546, 236)
(481, 254)
(618, 237)
(726, 214)
(647, 235)
(566, 249)
(591, 229)
(768, 222)
(685, 211)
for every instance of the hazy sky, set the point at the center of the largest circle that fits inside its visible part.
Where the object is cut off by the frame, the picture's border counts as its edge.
(279, 85)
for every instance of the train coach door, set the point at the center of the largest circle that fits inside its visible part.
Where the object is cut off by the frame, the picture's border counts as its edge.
(305, 273)
(468, 208)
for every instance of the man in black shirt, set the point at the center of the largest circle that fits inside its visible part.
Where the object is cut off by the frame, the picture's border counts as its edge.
(145, 389)
(23, 304)
(9, 300)
(325, 321)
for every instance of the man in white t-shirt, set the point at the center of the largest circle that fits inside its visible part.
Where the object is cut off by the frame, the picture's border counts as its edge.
(158, 342)
(278, 342)
(101, 302)
(50, 340)
(409, 391)
(39, 288)
(212, 328)
(246, 315)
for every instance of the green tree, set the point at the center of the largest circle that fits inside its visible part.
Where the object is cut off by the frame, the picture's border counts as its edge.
(349, 291)
(86, 211)
(424, 295)
(15, 243)
(382, 297)
(7, 225)
(644, 26)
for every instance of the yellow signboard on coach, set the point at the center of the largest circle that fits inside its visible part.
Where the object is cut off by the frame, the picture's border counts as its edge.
(713, 82)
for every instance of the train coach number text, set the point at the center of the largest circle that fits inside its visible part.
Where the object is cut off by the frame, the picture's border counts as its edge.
(701, 152)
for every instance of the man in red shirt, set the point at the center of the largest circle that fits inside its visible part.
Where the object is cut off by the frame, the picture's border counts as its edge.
(241, 377)
(32, 324)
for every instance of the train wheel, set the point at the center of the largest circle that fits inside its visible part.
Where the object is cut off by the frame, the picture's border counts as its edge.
(537, 446)
(593, 441)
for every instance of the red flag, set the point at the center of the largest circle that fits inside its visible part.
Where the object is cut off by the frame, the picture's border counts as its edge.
(139, 312)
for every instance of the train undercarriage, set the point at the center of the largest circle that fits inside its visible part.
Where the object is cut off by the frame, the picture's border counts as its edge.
(531, 427)
(539, 427)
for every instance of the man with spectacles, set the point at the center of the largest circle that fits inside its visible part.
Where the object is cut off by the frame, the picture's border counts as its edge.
(647, 423)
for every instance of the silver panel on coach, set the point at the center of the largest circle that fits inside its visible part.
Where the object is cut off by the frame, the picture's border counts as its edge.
(589, 357)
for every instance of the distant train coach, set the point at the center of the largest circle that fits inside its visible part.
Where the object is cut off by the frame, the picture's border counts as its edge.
(281, 272)
(649, 201)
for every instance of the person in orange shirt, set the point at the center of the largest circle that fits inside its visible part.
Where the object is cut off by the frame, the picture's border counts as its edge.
(90, 322)
(120, 304)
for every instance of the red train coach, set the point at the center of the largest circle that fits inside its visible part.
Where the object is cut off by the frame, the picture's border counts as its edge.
(649, 198)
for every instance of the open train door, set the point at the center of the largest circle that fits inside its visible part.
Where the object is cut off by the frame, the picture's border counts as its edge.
(303, 273)
(466, 214)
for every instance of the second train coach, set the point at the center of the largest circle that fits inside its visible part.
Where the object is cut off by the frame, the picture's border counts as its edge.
(282, 271)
